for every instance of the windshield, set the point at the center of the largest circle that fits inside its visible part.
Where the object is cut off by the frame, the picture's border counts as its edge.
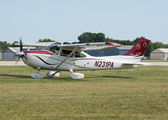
(49, 47)
(52, 48)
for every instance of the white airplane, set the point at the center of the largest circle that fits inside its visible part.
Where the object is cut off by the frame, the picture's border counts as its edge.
(71, 57)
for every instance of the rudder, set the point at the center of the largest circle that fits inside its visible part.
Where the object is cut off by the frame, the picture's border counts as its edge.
(139, 48)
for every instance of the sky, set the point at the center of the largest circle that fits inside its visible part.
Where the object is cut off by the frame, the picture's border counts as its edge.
(65, 20)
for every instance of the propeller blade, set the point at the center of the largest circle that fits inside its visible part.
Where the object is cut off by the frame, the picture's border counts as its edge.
(19, 53)
(17, 62)
(21, 47)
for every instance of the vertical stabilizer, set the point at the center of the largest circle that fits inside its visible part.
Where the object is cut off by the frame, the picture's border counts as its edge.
(139, 48)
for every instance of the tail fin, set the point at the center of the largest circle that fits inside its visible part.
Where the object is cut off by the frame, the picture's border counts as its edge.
(139, 48)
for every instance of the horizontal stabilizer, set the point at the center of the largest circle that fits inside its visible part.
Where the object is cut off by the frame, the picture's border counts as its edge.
(136, 63)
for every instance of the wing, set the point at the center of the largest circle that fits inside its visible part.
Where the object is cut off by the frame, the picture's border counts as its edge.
(42, 45)
(90, 46)
(81, 46)
(31, 45)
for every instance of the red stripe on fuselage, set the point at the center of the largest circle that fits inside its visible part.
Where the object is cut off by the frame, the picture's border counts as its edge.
(45, 61)
(39, 52)
(87, 59)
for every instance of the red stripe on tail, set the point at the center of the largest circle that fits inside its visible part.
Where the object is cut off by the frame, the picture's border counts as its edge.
(139, 48)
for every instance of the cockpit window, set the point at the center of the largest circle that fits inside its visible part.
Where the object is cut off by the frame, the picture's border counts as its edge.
(66, 53)
(78, 54)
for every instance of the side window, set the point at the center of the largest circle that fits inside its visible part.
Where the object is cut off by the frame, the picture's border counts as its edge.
(57, 51)
(77, 54)
(66, 53)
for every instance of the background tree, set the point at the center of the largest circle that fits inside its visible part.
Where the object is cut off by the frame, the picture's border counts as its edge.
(91, 37)
(158, 45)
(46, 40)
(4, 45)
(136, 40)
(149, 49)
(12, 45)
(84, 38)
(100, 37)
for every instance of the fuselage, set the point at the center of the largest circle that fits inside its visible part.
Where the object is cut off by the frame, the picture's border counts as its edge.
(44, 59)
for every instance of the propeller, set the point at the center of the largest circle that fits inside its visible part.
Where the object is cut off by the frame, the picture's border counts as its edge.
(21, 47)
(19, 53)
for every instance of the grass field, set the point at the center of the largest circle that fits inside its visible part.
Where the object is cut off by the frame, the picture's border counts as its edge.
(129, 94)
(154, 60)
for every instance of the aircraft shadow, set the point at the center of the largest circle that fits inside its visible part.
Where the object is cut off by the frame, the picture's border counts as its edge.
(45, 78)
(110, 77)
(16, 76)
(116, 77)
(65, 79)
(61, 78)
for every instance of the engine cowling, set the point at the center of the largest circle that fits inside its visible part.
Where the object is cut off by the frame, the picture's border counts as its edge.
(77, 75)
(50, 74)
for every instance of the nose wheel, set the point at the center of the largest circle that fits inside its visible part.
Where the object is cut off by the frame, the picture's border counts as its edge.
(37, 75)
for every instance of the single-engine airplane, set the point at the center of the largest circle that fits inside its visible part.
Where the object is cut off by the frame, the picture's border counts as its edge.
(71, 57)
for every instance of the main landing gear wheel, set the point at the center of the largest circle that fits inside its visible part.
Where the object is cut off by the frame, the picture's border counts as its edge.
(76, 75)
(52, 74)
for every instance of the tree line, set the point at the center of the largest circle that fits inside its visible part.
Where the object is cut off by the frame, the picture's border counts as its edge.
(89, 37)
(100, 37)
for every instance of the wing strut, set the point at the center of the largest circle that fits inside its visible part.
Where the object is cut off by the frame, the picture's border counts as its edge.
(66, 58)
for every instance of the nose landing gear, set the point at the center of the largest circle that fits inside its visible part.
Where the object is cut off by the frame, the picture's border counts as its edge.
(37, 75)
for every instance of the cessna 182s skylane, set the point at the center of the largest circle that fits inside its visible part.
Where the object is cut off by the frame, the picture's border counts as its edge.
(71, 57)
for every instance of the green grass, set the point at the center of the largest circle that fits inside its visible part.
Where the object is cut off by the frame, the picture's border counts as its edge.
(134, 94)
